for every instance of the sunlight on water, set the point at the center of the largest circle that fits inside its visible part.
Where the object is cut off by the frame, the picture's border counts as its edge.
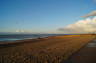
(14, 37)
(8, 39)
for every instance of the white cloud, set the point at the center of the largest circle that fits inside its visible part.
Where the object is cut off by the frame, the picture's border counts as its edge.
(82, 26)
(19, 30)
(93, 13)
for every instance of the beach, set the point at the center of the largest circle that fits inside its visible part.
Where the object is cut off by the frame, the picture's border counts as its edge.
(53, 49)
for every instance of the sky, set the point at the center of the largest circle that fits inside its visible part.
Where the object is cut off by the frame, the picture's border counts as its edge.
(46, 16)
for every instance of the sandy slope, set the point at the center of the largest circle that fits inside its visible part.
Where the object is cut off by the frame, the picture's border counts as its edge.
(86, 55)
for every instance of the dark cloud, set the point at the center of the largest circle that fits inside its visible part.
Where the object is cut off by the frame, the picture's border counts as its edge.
(93, 13)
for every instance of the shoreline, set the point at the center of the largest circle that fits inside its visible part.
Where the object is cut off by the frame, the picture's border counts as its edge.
(23, 41)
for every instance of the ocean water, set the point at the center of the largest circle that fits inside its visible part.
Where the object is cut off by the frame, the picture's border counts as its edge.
(14, 37)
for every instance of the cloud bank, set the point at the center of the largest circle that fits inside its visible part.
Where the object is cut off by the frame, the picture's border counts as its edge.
(82, 26)
(93, 13)
(19, 30)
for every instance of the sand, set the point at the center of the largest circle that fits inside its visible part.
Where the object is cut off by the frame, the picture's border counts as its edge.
(54, 49)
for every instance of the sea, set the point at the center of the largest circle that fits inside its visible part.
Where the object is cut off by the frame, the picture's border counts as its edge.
(15, 37)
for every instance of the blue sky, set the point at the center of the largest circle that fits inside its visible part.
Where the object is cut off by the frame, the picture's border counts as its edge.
(41, 16)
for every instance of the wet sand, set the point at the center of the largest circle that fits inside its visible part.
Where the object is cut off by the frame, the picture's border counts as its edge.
(54, 49)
